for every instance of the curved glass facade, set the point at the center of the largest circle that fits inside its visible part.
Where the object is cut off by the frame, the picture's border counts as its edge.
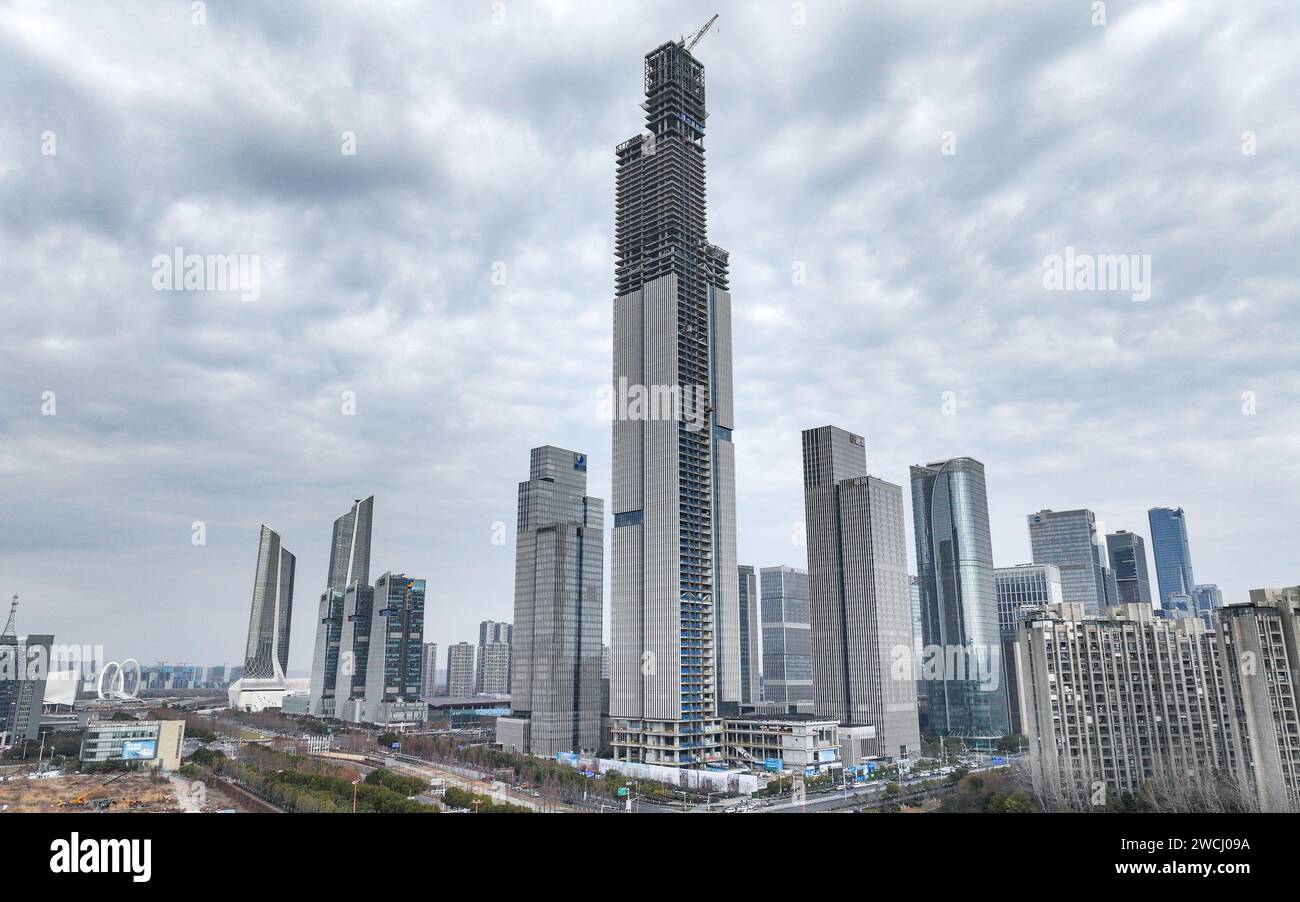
(961, 659)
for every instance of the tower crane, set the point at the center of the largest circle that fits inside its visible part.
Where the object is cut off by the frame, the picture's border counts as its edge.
(696, 38)
(11, 628)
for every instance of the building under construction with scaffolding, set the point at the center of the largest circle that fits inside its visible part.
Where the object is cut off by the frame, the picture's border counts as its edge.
(675, 650)
(24, 669)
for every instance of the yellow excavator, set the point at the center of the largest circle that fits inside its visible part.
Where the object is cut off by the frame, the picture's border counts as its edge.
(86, 797)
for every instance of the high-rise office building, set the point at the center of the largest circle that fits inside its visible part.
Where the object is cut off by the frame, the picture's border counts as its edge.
(1173, 556)
(750, 649)
(349, 563)
(1127, 553)
(555, 689)
(1207, 599)
(962, 669)
(429, 670)
(460, 670)
(918, 618)
(24, 671)
(674, 620)
(1022, 590)
(350, 546)
(392, 685)
(858, 595)
(266, 654)
(918, 649)
(1109, 584)
(492, 673)
(1069, 540)
(787, 636)
(354, 652)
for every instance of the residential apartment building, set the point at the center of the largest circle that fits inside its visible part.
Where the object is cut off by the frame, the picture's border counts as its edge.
(1259, 646)
(460, 670)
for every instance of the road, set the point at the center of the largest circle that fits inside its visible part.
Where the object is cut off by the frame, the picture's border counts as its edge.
(405, 764)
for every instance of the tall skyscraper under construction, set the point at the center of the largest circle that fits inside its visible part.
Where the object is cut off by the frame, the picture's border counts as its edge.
(674, 620)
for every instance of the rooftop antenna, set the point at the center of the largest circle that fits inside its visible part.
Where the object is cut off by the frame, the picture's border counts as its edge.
(695, 39)
(11, 628)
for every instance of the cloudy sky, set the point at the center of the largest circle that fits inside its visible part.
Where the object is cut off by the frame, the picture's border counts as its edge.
(456, 275)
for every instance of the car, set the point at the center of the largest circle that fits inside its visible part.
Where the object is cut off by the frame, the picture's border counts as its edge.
(731, 810)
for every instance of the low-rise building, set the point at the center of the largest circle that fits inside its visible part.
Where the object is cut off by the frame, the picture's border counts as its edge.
(801, 743)
(151, 743)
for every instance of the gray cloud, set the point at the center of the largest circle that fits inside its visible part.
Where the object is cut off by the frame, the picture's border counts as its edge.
(482, 143)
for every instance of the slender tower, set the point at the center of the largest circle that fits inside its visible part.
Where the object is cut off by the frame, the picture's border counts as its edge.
(266, 656)
(1173, 556)
(349, 563)
(965, 690)
(675, 619)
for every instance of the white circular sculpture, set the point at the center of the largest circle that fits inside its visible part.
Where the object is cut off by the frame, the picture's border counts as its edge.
(117, 688)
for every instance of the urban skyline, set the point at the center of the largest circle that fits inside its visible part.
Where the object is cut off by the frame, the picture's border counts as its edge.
(664, 650)
(1234, 544)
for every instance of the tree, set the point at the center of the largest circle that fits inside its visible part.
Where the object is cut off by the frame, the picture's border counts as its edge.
(1012, 743)
(993, 792)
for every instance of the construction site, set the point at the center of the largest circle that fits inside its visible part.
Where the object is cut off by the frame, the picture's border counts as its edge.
(125, 791)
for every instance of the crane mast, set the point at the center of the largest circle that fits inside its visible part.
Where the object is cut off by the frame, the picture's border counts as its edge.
(11, 627)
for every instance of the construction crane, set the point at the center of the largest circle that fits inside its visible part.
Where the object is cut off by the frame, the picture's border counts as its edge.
(11, 628)
(87, 797)
(695, 39)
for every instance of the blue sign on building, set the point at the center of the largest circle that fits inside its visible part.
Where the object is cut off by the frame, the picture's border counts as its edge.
(139, 749)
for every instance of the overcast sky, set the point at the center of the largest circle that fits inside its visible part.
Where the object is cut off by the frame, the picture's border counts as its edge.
(484, 138)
